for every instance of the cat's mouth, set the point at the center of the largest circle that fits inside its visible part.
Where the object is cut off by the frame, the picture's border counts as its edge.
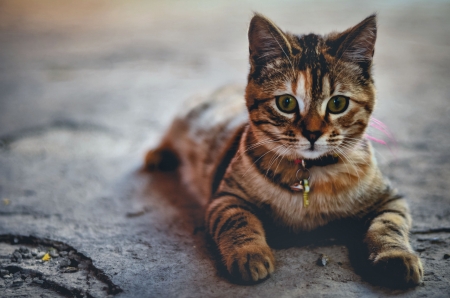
(313, 152)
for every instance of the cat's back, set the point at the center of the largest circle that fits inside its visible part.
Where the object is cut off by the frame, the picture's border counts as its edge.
(205, 129)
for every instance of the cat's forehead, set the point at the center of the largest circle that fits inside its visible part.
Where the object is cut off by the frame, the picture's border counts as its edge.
(308, 49)
(307, 61)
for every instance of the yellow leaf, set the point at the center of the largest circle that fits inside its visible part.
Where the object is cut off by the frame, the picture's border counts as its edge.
(46, 257)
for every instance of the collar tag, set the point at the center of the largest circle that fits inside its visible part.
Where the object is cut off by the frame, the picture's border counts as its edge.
(303, 183)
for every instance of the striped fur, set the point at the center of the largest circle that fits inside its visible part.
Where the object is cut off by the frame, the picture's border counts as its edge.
(239, 154)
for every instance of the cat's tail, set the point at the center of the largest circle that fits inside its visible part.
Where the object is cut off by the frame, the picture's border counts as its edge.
(162, 159)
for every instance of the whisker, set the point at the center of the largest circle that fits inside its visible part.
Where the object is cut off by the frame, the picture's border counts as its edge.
(288, 148)
(256, 145)
(360, 162)
(375, 123)
(279, 155)
(272, 160)
(260, 158)
(348, 159)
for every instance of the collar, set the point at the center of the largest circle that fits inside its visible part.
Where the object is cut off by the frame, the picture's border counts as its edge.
(320, 162)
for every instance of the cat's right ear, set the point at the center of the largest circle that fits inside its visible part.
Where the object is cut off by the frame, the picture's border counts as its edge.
(266, 41)
(356, 44)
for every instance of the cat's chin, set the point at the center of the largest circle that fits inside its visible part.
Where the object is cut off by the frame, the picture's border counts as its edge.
(312, 154)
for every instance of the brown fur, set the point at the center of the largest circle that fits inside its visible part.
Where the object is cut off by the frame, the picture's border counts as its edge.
(241, 153)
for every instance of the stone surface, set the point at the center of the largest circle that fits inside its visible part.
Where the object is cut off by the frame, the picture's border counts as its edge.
(84, 278)
(86, 87)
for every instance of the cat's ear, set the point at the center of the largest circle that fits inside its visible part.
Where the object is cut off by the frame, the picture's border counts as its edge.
(266, 41)
(356, 44)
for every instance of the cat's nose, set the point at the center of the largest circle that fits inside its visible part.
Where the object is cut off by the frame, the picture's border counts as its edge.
(312, 136)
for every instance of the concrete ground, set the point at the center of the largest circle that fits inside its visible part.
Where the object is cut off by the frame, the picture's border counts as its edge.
(86, 87)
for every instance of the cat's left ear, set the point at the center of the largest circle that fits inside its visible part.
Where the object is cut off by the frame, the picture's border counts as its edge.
(266, 41)
(356, 44)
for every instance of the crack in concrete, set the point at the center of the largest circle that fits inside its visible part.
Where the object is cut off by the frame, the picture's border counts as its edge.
(51, 274)
(431, 231)
(27, 213)
(67, 124)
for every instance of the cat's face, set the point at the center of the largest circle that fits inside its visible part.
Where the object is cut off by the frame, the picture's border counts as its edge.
(311, 95)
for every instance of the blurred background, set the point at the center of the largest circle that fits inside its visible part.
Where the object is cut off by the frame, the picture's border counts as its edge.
(87, 86)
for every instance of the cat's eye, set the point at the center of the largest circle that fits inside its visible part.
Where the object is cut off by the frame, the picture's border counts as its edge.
(286, 103)
(337, 104)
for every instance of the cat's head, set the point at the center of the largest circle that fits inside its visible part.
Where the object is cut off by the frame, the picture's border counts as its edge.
(313, 94)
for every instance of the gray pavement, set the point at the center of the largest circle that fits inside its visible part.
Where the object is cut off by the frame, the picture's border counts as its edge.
(86, 87)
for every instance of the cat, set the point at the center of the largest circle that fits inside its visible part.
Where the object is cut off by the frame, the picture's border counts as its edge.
(290, 148)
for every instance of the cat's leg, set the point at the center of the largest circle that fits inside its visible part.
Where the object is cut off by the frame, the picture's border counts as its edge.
(240, 238)
(388, 244)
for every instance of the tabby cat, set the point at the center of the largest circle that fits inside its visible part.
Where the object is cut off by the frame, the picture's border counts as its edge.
(293, 151)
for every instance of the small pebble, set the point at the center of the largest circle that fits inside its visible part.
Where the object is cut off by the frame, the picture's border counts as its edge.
(64, 262)
(2, 283)
(26, 255)
(446, 256)
(3, 272)
(53, 253)
(36, 280)
(323, 260)
(16, 256)
(40, 255)
(436, 240)
(17, 274)
(8, 276)
(34, 252)
(24, 249)
(63, 253)
(70, 270)
(17, 282)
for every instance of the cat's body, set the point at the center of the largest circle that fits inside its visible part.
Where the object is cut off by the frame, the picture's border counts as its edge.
(307, 103)
(204, 132)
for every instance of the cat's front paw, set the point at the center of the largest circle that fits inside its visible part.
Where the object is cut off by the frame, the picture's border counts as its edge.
(398, 268)
(250, 263)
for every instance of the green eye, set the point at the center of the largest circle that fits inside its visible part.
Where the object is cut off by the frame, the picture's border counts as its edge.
(286, 103)
(337, 104)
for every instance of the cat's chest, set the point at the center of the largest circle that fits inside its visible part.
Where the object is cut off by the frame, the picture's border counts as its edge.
(331, 196)
(291, 209)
